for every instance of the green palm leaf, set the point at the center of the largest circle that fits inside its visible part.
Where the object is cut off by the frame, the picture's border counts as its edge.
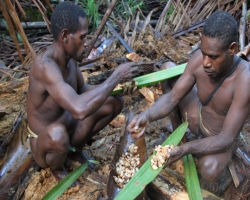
(191, 177)
(156, 77)
(146, 174)
(65, 183)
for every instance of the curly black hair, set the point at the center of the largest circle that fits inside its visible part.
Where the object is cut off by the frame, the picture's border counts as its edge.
(223, 26)
(66, 15)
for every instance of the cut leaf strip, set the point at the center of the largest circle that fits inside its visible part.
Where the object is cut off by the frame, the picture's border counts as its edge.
(191, 177)
(65, 183)
(156, 77)
(146, 174)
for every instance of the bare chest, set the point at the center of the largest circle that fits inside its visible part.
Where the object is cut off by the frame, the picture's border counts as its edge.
(222, 98)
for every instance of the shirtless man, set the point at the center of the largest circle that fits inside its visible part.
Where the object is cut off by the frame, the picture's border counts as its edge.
(219, 121)
(63, 111)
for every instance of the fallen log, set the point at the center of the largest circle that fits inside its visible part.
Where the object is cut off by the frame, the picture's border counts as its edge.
(15, 164)
(169, 185)
(125, 141)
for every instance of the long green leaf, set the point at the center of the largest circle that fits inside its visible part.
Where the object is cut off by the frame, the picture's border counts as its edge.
(155, 77)
(146, 174)
(191, 177)
(65, 183)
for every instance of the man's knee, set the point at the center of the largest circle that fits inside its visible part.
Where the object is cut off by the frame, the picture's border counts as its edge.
(209, 169)
(58, 136)
(167, 65)
(193, 121)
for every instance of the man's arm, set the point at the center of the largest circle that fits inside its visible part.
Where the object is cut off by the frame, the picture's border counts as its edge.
(164, 105)
(234, 121)
(83, 105)
(81, 85)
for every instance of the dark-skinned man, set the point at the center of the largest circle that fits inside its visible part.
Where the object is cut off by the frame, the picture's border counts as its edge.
(217, 121)
(64, 112)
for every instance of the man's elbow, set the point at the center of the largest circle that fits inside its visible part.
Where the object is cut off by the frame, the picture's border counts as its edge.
(226, 143)
(79, 114)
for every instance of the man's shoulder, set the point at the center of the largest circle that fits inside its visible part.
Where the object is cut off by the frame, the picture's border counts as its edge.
(195, 62)
(242, 75)
(42, 65)
(244, 69)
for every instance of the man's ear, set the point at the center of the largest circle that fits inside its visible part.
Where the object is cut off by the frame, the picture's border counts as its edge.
(64, 35)
(233, 48)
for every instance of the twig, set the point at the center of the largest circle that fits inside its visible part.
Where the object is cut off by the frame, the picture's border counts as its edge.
(99, 29)
(14, 70)
(8, 74)
(162, 17)
(134, 31)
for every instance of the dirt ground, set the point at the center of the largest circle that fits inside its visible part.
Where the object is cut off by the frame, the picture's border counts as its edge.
(93, 183)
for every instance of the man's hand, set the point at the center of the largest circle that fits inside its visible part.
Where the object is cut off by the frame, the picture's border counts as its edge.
(138, 125)
(126, 71)
(175, 154)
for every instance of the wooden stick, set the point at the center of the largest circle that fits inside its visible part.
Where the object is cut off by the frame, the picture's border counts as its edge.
(99, 29)
(14, 70)
(134, 31)
(183, 15)
(18, 26)
(162, 17)
(11, 28)
(8, 74)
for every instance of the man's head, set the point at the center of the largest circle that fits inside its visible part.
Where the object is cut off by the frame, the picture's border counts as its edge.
(70, 26)
(219, 43)
(66, 16)
(221, 25)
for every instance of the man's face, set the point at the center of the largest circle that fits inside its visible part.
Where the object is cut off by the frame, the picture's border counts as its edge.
(78, 43)
(215, 60)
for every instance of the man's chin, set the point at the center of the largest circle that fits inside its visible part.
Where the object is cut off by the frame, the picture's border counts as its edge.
(79, 59)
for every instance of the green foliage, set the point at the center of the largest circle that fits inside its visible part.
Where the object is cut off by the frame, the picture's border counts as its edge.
(91, 8)
(128, 8)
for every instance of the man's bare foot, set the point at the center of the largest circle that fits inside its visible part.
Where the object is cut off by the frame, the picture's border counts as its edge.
(82, 158)
(61, 174)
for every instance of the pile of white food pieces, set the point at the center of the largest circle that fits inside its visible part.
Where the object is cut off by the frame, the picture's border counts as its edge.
(162, 153)
(127, 166)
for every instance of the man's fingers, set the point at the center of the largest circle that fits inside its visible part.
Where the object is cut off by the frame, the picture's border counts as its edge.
(131, 125)
(124, 91)
(141, 133)
(134, 89)
(130, 89)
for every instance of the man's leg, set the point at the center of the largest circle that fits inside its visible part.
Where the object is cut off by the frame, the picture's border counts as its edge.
(214, 172)
(50, 149)
(87, 128)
